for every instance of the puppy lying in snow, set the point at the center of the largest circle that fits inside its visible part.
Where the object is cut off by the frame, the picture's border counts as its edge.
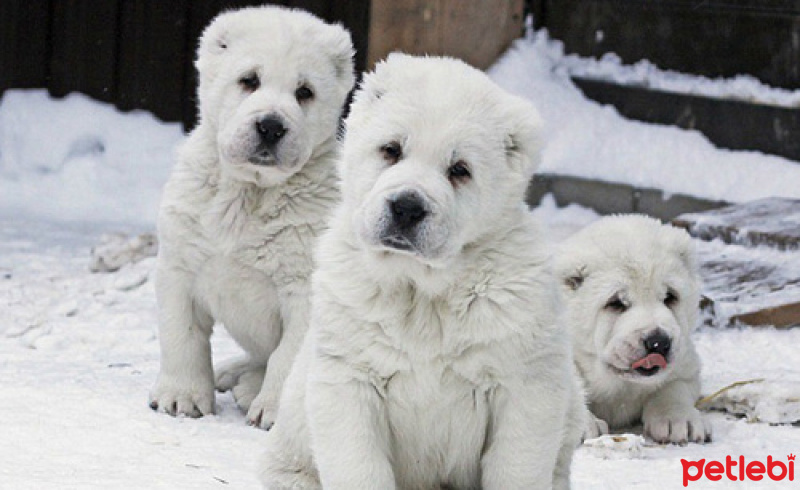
(434, 357)
(631, 289)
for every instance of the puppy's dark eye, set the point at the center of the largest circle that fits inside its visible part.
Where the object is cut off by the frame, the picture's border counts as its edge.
(458, 172)
(250, 83)
(671, 299)
(303, 94)
(616, 305)
(392, 152)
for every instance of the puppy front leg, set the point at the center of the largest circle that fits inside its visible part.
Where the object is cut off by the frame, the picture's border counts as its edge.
(669, 415)
(525, 439)
(294, 307)
(185, 382)
(349, 431)
(593, 425)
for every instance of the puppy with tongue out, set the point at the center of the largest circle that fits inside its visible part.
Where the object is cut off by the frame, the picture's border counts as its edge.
(631, 292)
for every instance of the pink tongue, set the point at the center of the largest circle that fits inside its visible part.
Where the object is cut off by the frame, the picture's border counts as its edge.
(651, 360)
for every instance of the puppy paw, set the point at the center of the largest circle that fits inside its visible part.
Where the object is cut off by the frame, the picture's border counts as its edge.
(226, 380)
(229, 373)
(247, 387)
(679, 427)
(594, 427)
(192, 399)
(263, 410)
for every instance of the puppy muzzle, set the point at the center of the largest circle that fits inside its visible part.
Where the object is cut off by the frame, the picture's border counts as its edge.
(404, 217)
(271, 131)
(657, 347)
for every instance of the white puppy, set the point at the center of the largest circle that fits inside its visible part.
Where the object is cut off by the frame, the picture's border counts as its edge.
(631, 288)
(435, 357)
(251, 190)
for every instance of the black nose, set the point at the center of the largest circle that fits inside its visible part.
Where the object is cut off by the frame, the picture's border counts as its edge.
(657, 343)
(271, 130)
(407, 210)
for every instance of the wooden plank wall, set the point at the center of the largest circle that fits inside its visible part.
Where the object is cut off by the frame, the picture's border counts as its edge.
(477, 31)
(727, 123)
(711, 38)
(23, 55)
(137, 54)
(717, 39)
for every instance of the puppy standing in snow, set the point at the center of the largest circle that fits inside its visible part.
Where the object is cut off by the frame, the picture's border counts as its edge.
(631, 288)
(249, 194)
(434, 357)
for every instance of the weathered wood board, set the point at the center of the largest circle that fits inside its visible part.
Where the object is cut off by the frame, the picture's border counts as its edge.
(751, 286)
(772, 222)
(478, 31)
(749, 261)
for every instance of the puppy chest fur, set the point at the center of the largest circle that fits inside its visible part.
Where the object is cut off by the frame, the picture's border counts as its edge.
(437, 362)
(617, 402)
(437, 420)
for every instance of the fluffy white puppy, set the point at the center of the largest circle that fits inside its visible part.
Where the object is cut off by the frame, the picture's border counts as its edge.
(631, 288)
(251, 190)
(435, 358)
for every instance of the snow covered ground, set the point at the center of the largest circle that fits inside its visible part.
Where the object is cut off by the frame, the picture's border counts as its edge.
(79, 353)
(75, 159)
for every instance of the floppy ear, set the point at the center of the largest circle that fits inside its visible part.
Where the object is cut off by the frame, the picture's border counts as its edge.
(214, 42)
(339, 46)
(683, 246)
(371, 88)
(375, 83)
(570, 270)
(689, 258)
(524, 139)
(574, 278)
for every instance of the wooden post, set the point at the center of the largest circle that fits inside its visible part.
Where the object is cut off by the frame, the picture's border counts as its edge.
(477, 31)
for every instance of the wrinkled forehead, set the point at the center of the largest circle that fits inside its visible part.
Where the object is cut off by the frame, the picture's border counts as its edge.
(276, 57)
(641, 278)
(419, 119)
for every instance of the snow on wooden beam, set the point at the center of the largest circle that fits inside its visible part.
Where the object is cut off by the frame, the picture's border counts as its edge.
(749, 261)
(750, 286)
(772, 222)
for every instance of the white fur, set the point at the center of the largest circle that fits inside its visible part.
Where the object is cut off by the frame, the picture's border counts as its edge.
(636, 259)
(445, 366)
(236, 236)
